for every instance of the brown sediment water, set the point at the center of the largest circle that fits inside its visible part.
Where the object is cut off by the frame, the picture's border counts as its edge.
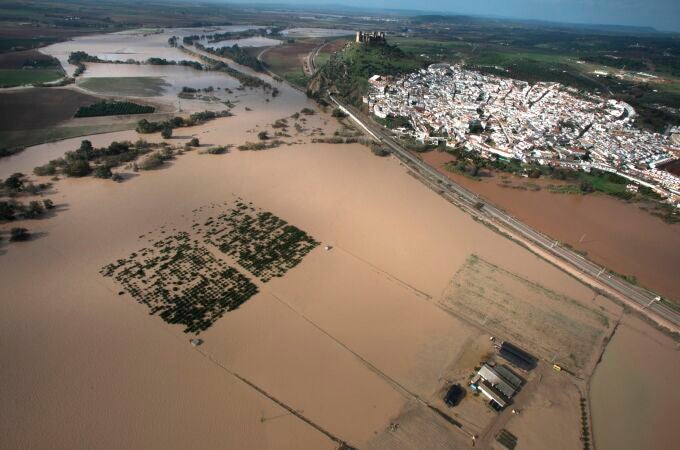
(613, 233)
(346, 339)
(634, 394)
(87, 363)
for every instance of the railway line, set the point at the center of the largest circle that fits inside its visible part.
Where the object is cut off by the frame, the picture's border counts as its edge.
(644, 301)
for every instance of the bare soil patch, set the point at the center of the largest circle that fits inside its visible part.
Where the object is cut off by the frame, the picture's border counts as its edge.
(21, 59)
(38, 108)
(552, 417)
(287, 60)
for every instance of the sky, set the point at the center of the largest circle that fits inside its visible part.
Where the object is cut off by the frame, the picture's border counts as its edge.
(663, 15)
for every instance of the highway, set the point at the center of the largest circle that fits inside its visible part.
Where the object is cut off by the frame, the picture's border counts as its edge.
(643, 300)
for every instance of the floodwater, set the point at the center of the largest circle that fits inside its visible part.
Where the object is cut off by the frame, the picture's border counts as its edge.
(257, 41)
(175, 77)
(254, 105)
(616, 234)
(634, 391)
(91, 368)
(93, 363)
(137, 45)
(316, 32)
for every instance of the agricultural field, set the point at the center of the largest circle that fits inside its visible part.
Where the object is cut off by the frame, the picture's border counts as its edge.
(259, 241)
(28, 67)
(552, 325)
(179, 280)
(330, 48)
(113, 108)
(24, 138)
(286, 60)
(40, 107)
(125, 86)
(37, 115)
(21, 77)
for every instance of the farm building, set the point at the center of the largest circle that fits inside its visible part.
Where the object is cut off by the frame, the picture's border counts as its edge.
(517, 356)
(499, 384)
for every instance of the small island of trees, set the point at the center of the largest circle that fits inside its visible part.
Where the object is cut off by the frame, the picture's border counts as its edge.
(113, 108)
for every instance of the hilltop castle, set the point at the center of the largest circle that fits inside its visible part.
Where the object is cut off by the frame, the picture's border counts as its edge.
(372, 37)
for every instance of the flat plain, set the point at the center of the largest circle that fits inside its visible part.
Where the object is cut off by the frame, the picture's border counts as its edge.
(336, 298)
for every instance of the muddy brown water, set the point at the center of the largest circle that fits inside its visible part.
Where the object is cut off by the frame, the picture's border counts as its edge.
(613, 233)
(634, 392)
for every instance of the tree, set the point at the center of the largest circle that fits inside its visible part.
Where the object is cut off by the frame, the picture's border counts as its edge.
(48, 169)
(19, 234)
(262, 135)
(535, 173)
(337, 112)
(35, 209)
(102, 172)
(77, 168)
(152, 161)
(586, 187)
(379, 150)
(194, 142)
(586, 156)
(49, 204)
(166, 133)
(15, 181)
(86, 146)
(7, 211)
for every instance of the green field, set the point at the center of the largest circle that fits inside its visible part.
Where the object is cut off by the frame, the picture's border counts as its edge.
(128, 86)
(19, 77)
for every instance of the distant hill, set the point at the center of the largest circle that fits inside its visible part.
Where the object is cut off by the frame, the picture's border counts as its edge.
(574, 27)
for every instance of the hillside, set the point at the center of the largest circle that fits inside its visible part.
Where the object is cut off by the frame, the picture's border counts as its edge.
(347, 72)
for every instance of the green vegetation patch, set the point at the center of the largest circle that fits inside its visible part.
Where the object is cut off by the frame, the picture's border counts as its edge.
(19, 77)
(259, 241)
(180, 281)
(126, 86)
(347, 72)
(112, 108)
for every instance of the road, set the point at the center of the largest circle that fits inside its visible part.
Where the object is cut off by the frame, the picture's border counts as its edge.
(310, 60)
(642, 300)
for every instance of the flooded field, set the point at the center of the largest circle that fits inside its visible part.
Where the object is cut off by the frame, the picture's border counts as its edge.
(304, 268)
(613, 233)
(258, 41)
(174, 78)
(316, 32)
(634, 393)
(332, 320)
(136, 45)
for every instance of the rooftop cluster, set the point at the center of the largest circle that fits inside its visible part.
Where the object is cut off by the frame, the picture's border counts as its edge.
(546, 123)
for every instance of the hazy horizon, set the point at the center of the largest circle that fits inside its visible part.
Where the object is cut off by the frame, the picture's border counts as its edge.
(659, 14)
